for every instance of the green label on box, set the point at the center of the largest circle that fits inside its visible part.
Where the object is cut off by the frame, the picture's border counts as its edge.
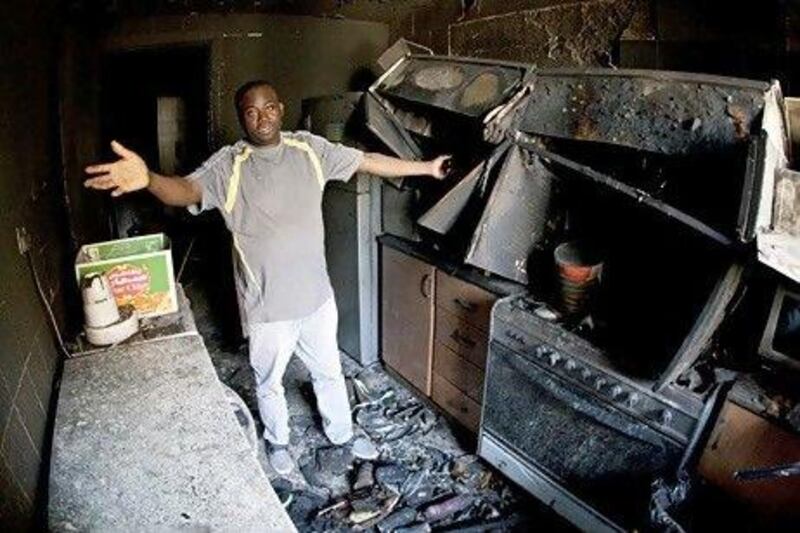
(124, 247)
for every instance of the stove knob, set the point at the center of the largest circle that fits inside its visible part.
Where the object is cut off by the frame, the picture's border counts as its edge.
(553, 358)
(616, 391)
(514, 336)
(570, 365)
(586, 374)
(599, 383)
(665, 416)
(632, 399)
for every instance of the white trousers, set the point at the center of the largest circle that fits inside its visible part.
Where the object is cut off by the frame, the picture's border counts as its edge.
(313, 339)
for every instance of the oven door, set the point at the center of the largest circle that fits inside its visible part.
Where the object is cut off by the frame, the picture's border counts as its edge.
(591, 461)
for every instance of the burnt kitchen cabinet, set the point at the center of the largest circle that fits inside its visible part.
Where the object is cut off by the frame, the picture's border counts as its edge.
(435, 333)
(459, 354)
(407, 317)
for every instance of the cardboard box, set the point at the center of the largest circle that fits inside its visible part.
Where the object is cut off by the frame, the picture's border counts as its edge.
(139, 270)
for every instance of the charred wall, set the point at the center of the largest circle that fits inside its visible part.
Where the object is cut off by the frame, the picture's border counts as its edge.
(748, 39)
(303, 56)
(30, 200)
(80, 124)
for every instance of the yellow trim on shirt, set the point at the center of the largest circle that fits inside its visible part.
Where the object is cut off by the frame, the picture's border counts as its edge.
(233, 183)
(312, 155)
(246, 266)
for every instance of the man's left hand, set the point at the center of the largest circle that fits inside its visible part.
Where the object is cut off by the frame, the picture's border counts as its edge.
(441, 166)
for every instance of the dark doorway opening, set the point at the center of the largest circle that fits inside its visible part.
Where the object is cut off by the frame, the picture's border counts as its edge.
(156, 101)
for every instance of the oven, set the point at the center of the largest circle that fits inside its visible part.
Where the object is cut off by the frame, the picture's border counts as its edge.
(559, 421)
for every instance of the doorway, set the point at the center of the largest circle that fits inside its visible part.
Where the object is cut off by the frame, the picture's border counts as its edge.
(155, 101)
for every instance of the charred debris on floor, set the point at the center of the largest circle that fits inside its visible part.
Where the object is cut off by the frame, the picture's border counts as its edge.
(427, 477)
(422, 481)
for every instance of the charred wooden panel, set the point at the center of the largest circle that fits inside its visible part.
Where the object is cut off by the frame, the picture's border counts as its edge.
(407, 317)
(743, 440)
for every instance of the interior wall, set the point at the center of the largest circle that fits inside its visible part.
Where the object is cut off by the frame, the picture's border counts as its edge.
(80, 126)
(30, 199)
(752, 39)
(746, 39)
(546, 32)
(303, 56)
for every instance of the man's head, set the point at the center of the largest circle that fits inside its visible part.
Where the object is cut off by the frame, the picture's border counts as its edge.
(260, 112)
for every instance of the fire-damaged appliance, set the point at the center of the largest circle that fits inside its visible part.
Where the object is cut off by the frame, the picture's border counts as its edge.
(666, 174)
(430, 103)
(565, 421)
(596, 387)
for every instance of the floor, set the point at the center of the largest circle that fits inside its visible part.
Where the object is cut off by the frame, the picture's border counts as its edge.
(426, 478)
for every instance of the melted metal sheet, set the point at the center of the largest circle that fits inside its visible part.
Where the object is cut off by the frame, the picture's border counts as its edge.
(662, 112)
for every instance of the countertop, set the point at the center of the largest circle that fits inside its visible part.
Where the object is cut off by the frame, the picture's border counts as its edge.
(145, 439)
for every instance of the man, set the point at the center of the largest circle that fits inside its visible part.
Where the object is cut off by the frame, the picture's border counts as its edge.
(269, 188)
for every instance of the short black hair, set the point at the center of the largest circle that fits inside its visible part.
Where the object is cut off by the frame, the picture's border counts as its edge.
(243, 89)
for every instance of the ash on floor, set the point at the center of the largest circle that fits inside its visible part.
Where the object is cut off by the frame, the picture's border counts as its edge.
(426, 478)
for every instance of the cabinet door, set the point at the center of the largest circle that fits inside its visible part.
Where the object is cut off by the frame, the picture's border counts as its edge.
(407, 317)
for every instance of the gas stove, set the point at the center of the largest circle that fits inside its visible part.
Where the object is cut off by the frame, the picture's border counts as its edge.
(563, 422)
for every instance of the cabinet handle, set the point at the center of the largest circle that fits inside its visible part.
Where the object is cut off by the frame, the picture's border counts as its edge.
(466, 306)
(460, 339)
(424, 287)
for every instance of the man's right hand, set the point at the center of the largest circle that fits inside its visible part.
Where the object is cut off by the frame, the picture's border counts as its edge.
(129, 173)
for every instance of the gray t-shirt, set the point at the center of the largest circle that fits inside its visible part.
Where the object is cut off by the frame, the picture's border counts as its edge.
(271, 200)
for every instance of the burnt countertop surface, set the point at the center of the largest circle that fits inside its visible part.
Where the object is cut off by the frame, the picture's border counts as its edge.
(145, 439)
(424, 252)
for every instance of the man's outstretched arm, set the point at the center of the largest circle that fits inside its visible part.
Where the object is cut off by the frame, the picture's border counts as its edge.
(385, 166)
(130, 173)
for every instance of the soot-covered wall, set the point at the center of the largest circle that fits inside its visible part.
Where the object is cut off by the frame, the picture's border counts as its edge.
(31, 202)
